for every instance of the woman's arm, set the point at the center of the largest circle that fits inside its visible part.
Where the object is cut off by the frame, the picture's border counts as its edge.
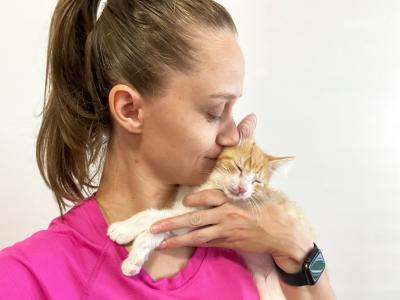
(322, 290)
(279, 234)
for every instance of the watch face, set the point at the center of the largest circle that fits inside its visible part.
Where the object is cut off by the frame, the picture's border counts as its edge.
(316, 267)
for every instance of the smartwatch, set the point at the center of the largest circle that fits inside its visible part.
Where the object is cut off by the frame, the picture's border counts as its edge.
(312, 268)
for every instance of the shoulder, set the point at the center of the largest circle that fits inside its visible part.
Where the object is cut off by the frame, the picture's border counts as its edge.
(60, 258)
(40, 245)
(65, 240)
(61, 243)
(43, 248)
(25, 264)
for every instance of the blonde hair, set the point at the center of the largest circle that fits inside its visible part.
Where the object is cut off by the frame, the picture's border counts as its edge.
(134, 42)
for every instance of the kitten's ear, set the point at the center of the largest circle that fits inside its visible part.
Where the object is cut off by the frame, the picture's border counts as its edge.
(283, 163)
(247, 126)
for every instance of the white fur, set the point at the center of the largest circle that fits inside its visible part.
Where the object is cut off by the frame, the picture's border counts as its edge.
(137, 228)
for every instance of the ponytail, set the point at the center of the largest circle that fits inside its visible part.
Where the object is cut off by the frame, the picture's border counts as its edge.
(71, 134)
(134, 42)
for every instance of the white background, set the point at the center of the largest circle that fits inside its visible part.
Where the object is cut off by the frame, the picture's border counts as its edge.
(323, 78)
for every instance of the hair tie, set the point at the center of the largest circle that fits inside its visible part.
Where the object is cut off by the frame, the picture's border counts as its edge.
(100, 8)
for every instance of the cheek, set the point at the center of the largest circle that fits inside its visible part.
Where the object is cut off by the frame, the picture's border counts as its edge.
(179, 142)
(201, 139)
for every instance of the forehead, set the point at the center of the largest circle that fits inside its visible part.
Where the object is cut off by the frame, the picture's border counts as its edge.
(222, 64)
(220, 72)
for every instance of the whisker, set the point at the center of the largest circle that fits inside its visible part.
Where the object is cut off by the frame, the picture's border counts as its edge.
(255, 206)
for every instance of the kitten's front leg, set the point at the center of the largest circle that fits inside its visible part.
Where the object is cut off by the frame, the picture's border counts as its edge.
(260, 281)
(127, 230)
(144, 243)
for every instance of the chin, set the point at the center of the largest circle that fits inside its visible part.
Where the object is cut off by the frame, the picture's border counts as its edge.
(241, 198)
(194, 180)
(235, 197)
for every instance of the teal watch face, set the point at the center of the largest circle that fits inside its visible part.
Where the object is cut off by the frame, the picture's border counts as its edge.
(312, 268)
(316, 267)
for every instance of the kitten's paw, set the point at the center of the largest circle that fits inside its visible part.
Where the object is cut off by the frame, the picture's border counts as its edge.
(131, 267)
(121, 233)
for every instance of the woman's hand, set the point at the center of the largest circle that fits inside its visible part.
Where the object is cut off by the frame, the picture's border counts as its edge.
(226, 225)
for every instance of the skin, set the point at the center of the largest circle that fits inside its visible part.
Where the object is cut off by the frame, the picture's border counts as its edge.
(158, 144)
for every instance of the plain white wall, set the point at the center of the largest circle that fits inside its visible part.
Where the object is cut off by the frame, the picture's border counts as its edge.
(322, 76)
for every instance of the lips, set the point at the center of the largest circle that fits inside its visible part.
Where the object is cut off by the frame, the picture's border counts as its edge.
(214, 155)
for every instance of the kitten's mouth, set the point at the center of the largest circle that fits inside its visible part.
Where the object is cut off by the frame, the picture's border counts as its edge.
(238, 197)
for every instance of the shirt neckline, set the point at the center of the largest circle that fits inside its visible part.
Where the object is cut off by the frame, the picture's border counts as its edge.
(178, 281)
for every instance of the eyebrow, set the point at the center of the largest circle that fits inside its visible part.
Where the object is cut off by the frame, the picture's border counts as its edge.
(224, 95)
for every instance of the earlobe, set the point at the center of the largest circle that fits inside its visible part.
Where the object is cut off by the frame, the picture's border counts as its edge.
(126, 108)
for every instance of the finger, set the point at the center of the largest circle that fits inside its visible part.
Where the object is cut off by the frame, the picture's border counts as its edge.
(212, 197)
(217, 243)
(195, 237)
(193, 219)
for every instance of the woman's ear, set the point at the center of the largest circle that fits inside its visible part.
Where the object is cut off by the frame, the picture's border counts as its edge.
(247, 126)
(126, 107)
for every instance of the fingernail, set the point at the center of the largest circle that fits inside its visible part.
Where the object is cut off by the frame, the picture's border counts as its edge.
(155, 228)
(162, 245)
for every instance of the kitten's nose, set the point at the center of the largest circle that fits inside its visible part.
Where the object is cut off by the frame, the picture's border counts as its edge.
(239, 190)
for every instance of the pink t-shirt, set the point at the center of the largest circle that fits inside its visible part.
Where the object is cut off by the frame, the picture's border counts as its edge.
(76, 260)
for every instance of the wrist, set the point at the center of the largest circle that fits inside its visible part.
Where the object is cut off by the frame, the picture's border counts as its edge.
(293, 262)
(287, 264)
(311, 269)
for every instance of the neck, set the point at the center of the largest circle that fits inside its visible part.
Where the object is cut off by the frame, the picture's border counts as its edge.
(127, 186)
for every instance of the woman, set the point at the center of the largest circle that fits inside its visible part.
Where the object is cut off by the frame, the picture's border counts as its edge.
(143, 95)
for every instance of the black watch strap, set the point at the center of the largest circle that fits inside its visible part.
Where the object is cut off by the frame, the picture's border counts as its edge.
(305, 276)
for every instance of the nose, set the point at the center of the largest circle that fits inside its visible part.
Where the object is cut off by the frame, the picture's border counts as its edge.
(239, 190)
(229, 134)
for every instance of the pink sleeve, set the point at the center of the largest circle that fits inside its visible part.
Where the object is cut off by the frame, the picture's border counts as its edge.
(16, 281)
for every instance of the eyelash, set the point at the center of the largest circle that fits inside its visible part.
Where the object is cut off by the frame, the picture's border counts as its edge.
(239, 168)
(212, 118)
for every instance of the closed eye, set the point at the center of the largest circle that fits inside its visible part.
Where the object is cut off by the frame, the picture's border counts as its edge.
(239, 168)
(213, 118)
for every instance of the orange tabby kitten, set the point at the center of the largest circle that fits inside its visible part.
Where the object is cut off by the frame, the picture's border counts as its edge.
(242, 172)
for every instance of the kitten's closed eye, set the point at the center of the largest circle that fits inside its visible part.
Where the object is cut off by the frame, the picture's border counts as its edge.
(241, 172)
(239, 168)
